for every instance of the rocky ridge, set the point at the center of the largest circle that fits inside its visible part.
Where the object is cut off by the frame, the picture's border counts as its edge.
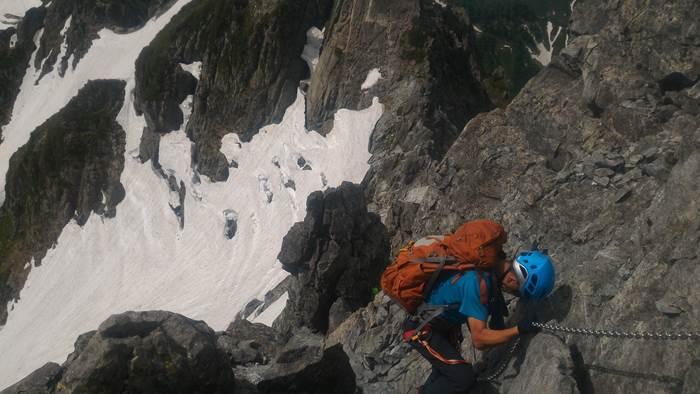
(16, 48)
(597, 159)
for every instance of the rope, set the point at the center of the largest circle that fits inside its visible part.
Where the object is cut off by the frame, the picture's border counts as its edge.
(662, 336)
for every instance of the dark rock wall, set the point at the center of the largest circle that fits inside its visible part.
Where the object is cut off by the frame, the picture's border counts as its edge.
(88, 17)
(71, 164)
(336, 256)
(13, 61)
(251, 68)
(428, 88)
(597, 159)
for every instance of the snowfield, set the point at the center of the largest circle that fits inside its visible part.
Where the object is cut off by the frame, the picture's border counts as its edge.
(142, 259)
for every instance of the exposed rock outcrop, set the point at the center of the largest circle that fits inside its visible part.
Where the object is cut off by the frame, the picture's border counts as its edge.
(597, 158)
(40, 381)
(16, 47)
(336, 257)
(70, 168)
(76, 24)
(301, 364)
(249, 343)
(428, 86)
(251, 69)
(154, 352)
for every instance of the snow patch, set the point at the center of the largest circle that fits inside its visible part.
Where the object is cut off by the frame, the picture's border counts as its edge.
(195, 69)
(66, 26)
(268, 316)
(372, 78)
(476, 29)
(64, 44)
(312, 49)
(440, 3)
(544, 52)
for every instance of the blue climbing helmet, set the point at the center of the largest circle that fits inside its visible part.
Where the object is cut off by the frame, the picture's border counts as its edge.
(535, 273)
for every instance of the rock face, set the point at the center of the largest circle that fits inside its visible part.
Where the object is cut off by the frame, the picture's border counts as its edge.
(40, 381)
(69, 169)
(153, 352)
(250, 72)
(76, 24)
(336, 256)
(597, 159)
(249, 343)
(302, 364)
(16, 47)
(428, 86)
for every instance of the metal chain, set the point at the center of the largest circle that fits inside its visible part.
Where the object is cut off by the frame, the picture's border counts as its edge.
(503, 365)
(668, 336)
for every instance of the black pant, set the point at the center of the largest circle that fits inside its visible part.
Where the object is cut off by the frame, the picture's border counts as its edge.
(446, 377)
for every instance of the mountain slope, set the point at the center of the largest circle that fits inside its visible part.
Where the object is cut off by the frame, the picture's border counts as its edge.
(170, 245)
(596, 158)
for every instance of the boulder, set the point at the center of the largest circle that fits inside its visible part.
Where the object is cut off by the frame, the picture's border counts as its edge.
(153, 351)
(38, 382)
(335, 256)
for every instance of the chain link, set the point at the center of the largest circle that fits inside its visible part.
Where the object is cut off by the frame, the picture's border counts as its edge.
(664, 336)
(503, 365)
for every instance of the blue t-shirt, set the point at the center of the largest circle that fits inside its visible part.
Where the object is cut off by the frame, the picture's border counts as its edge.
(465, 292)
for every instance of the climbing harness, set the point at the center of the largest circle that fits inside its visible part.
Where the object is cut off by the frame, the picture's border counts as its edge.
(503, 365)
(664, 336)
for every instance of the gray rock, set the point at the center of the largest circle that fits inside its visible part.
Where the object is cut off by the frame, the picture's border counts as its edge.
(248, 343)
(650, 153)
(153, 351)
(231, 223)
(550, 370)
(692, 379)
(636, 158)
(668, 308)
(632, 175)
(604, 172)
(601, 180)
(613, 261)
(622, 194)
(306, 368)
(335, 256)
(40, 381)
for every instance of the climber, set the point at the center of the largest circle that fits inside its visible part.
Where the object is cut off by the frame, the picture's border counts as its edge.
(530, 276)
(447, 281)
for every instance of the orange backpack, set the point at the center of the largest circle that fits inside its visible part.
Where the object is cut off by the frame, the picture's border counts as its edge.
(476, 245)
